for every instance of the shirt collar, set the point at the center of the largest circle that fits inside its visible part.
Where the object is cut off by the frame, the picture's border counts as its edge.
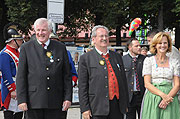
(101, 52)
(131, 55)
(46, 43)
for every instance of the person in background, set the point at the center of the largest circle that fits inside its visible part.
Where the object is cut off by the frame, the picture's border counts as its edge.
(76, 58)
(103, 91)
(54, 36)
(44, 85)
(160, 71)
(113, 49)
(0, 94)
(133, 64)
(9, 59)
(120, 52)
(144, 51)
(151, 34)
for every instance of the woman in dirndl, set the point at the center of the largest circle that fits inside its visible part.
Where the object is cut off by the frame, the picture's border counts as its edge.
(161, 77)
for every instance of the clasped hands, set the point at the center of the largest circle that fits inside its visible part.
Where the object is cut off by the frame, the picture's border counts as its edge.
(166, 99)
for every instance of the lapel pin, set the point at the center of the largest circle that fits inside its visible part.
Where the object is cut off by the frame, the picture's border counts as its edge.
(101, 62)
(48, 54)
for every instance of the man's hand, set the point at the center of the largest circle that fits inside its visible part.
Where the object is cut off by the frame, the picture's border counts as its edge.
(23, 106)
(86, 114)
(66, 105)
(13, 94)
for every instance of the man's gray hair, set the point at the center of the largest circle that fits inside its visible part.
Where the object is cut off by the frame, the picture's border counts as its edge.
(41, 21)
(95, 29)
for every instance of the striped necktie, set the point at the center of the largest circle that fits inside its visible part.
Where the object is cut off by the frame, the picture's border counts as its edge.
(135, 70)
(43, 45)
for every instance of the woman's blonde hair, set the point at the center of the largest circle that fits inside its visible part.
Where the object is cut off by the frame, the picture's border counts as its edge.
(157, 39)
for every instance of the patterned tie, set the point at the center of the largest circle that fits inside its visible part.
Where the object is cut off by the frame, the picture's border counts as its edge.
(135, 70)
(43, 45)
(105, 56)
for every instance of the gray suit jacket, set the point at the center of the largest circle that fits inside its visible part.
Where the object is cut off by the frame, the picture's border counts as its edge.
(41, 83)
(93, 83)
(127, 60)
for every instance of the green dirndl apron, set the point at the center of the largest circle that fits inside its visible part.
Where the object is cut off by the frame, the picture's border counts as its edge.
(150, 108)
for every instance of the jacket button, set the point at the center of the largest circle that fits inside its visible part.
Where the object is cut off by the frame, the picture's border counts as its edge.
(132, 83)
(47, 68)
(48, 78)
(104, 67)
(106, 77)
(131, 90)
(106, 96)
(48, 88)
(106, 86)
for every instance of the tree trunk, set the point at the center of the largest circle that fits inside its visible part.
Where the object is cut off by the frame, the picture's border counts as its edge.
(118, 35)
(160, 18)
(177, 36)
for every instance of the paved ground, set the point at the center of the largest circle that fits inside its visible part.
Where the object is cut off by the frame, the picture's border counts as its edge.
(73, 113)
(1, 115)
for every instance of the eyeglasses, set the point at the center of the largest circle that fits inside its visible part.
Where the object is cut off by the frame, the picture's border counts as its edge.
(102, 36)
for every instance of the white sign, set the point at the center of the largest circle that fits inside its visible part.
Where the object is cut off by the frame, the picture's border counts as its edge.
(55, 11)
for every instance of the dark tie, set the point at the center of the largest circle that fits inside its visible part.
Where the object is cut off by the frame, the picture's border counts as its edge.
(135, 70)
(43, 45)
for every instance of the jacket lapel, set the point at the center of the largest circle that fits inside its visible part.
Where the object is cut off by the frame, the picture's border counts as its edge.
(96, 58)
(41, 52)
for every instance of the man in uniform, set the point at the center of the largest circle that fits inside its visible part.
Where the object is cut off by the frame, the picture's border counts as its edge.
(9, 59)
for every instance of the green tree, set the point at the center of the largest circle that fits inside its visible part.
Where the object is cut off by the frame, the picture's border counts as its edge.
(77, 18)
(111, 13)
(3, 21)
(82, 15)
(176, 10)
(25, 12)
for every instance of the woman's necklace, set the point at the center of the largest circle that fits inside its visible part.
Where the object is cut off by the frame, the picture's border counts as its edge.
(162, 62)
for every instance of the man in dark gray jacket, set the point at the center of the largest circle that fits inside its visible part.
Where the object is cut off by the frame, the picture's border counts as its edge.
(44, 85)
(133, 63)
(103, 92)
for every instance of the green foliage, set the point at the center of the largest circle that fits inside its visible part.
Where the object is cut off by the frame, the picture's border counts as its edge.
(24, 12)
(176, 10)
(77, 18)
(74, 25)
(116, 13)
(81, 15)
(152, 9)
